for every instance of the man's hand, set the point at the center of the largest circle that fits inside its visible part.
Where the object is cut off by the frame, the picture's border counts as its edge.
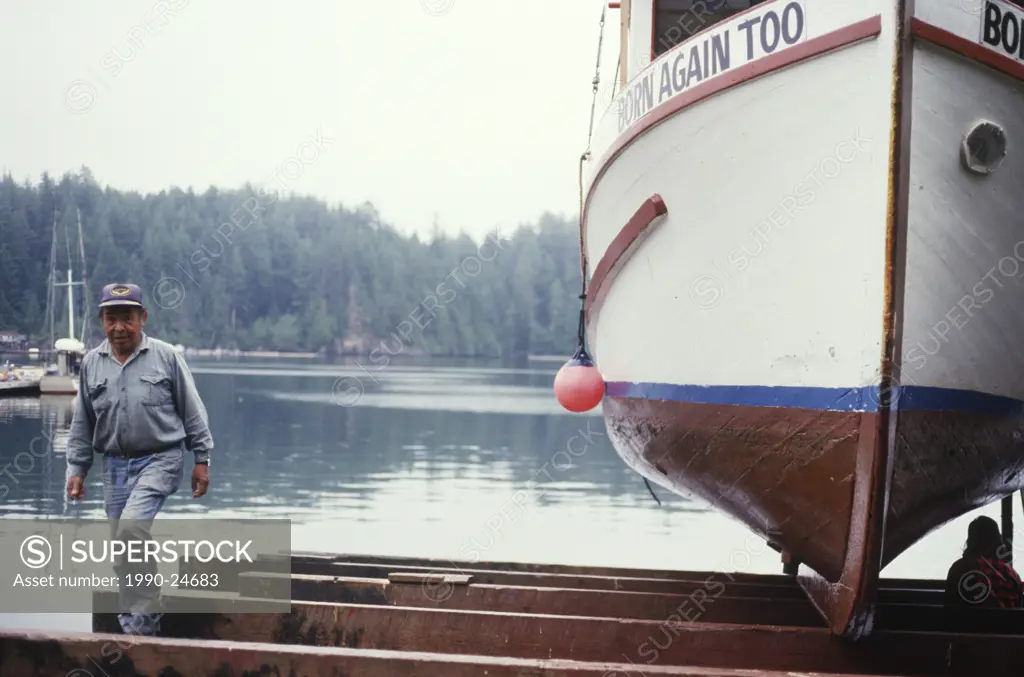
(76, 487)
(200, 479)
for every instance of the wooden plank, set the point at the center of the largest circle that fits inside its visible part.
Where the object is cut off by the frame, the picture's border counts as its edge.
(424, 579)
(301, 557)
(587, 639)
(785, 588)
(495, 577)
(709, 604)
(624, 572)
(901, 590)
(530, 567)
(36, 654)
(910, 596)
(912, 583)
(913, 609)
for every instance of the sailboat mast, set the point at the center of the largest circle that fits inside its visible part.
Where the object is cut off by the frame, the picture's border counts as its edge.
(70, 284)
(51, 284)
(71, 306)
(67, 249)
(81, 249)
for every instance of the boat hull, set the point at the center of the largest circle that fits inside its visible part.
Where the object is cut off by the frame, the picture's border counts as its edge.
(715, 231)
(19, 390)
(768, 287)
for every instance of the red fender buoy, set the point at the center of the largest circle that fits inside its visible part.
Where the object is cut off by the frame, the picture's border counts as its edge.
(579, 386)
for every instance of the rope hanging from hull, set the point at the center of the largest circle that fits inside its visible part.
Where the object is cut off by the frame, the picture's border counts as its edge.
(582, 358)
(581, 351)
(578, 385)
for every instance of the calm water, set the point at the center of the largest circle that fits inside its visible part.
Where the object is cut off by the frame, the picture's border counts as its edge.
(419, 460)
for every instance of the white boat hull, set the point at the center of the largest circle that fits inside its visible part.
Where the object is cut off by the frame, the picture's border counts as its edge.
(773, 248)
(58, 385)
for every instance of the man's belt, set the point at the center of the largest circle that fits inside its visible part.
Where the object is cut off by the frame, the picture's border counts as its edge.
(143, 452)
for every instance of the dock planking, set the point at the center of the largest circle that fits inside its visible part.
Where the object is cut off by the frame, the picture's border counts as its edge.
(424, 617)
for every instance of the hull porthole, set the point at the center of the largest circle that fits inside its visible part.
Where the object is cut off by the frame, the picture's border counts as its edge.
(983, 148)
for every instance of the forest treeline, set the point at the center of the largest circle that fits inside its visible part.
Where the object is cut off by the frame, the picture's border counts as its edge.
(250, 269)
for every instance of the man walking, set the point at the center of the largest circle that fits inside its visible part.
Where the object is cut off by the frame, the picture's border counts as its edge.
(137, 406)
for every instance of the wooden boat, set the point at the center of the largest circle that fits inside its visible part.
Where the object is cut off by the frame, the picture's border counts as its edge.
(803, 224)
(358, 615)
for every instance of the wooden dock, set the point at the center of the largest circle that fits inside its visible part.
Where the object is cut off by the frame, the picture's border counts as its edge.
(358, 615)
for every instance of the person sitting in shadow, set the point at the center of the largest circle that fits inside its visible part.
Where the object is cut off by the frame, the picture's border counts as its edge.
(982, 578)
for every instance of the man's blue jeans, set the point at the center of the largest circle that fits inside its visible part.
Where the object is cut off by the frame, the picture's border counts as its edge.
(135, 489)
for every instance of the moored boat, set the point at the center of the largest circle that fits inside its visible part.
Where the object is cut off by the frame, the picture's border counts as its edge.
(804, 297)
(18, 381)
(62, 378)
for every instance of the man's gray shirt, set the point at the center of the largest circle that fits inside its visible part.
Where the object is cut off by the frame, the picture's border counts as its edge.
(150, 403)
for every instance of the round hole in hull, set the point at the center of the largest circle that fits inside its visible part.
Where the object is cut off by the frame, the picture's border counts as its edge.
(983, 148)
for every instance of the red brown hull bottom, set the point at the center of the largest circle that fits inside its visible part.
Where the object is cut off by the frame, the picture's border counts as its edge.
(947, 464)
(807, 480)
(788, 474)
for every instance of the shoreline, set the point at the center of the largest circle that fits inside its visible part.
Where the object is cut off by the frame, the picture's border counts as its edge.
(220, 352)
(229, 352)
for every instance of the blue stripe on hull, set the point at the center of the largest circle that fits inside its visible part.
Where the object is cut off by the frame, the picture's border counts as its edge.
(866, 399)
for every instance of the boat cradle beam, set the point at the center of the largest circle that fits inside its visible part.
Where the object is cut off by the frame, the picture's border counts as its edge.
(667, 642)
(110, 655)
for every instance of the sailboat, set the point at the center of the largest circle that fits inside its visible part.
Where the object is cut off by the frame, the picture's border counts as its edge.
(805, 297)
(62, 377)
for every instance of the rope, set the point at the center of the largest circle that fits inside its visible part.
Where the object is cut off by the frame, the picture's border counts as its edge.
(597, 77)
(581, 351)
(615, 78)
(652, 491)
(583, 251)
(581, 346)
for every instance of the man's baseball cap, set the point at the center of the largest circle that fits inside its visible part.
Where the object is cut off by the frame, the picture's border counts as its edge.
(119, 294)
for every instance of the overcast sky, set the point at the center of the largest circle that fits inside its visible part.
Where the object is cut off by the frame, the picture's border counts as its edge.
(476, 110)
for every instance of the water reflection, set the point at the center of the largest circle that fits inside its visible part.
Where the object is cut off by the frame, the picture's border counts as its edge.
(35, 438)
(433, 441)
